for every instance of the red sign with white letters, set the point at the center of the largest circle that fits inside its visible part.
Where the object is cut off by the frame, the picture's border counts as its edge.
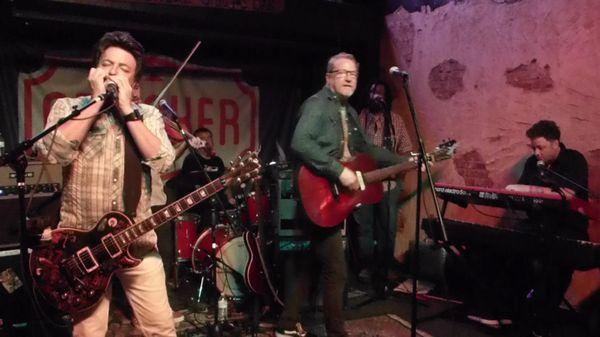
(227, 106)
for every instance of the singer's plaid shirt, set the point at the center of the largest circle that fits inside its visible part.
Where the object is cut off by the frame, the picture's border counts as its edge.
(93, 170)
(373, 126)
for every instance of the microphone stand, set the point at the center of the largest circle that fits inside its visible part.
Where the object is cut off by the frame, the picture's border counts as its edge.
(421, 160)
(566, 180)
(17, 160)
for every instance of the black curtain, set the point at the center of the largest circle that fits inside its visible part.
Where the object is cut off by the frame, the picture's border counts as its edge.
(8, 92)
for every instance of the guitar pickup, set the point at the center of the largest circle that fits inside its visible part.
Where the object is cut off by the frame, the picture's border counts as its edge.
(361, 181)
(87, 259)
(111, 246)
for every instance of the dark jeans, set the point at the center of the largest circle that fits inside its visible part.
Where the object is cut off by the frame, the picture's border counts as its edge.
(327, 253)
(377, 231)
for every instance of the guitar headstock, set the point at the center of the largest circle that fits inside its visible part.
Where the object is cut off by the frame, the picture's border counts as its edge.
(244, 167)
(443, 151)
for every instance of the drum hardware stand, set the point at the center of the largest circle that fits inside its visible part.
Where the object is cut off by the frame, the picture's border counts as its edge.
(215, 329)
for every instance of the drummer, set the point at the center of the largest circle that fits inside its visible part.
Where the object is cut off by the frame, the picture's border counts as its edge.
(194, 174)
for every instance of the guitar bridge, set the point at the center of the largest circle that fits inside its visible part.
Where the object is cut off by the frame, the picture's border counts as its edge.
(87, 259)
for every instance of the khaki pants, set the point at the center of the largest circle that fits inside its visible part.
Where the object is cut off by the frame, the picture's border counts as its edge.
(146, 291)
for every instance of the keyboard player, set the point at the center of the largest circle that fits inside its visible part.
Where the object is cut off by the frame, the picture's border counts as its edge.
(551, 280)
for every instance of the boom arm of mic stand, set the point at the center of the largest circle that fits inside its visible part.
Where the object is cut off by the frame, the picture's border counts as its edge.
(421, 161)
(566, 180)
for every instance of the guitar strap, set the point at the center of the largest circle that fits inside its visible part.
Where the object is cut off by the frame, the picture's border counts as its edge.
(388, 142)
(345, 150)
(132, 177)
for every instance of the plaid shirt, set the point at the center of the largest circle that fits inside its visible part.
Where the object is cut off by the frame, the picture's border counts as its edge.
(373, 126)
(94, 171)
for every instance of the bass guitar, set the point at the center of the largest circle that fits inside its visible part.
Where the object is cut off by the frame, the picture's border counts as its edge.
(73, 269)
(327, 204)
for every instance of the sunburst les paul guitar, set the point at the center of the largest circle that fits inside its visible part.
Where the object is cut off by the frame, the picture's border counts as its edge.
(327, 204)
(74, 268)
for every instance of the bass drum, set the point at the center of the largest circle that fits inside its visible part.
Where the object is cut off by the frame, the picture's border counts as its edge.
(231, 272)
(231, 251)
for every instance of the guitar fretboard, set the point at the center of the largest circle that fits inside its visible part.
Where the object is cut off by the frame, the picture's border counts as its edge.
(384, 173)
(125, 237)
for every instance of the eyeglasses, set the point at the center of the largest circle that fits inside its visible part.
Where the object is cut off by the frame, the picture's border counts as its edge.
(342, 73)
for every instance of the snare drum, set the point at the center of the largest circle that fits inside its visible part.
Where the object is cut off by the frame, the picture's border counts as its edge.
(186, 233)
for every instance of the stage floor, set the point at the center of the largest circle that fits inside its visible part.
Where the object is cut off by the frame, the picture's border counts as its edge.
(389, 317)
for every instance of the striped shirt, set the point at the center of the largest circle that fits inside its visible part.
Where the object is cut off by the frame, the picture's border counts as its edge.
(94, 171)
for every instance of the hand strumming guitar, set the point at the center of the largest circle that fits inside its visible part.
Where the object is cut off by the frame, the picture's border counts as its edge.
(349, 179)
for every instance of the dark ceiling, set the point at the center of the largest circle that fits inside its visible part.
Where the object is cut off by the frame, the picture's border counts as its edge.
(304, 29)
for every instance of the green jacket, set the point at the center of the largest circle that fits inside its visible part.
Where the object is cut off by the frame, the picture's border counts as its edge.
(317, 138)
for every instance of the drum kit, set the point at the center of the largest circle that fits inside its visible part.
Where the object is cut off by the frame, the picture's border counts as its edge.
(220, 252)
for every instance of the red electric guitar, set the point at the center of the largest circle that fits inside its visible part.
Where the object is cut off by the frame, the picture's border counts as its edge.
(72, 271)
(328, 204)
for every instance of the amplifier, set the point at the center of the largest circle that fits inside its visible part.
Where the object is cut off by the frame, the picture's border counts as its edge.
(284, 204)
(45, 202)
(48, 177)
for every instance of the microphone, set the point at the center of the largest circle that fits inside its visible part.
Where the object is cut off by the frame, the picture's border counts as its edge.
(542, 169)
(166, 107)
(395, 71)
(112, 90)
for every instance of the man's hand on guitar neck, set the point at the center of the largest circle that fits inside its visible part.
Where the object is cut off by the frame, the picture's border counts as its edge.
(349, 179)
(414, 159)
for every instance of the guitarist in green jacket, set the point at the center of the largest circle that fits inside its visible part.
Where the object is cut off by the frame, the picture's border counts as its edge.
(328, 133)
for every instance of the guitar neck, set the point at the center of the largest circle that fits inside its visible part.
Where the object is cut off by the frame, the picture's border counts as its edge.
(386, 172)
(171, 211)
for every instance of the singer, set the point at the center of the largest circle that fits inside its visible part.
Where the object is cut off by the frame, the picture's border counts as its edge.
(549, 153)
(543, 281)
(549, 280)
(109, 157)
(327, 133)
